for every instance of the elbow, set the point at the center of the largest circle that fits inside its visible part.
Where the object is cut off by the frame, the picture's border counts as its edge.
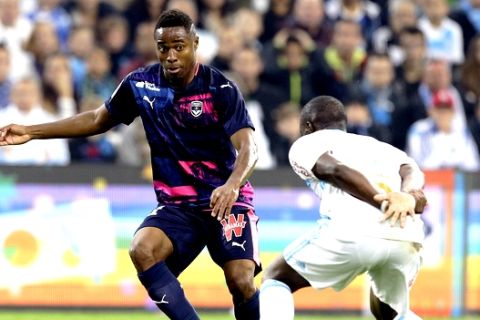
(330, 172)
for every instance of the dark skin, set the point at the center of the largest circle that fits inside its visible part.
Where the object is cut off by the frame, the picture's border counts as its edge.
(176, 49)
(329, 169)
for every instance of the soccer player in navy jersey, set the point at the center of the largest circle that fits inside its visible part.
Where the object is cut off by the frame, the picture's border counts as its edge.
(202, 150)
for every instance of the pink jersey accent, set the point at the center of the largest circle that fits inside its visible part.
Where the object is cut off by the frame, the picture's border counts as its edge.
(174, 191)
(187, 165)
(253, 218)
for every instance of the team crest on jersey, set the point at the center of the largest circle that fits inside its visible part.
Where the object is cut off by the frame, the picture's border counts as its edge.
(234, 225)
(196, 108)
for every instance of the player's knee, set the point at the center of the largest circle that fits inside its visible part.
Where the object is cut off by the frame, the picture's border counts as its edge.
(241, 285)
(141, 254)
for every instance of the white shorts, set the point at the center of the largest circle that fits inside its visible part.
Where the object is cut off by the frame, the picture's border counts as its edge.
(326, 261)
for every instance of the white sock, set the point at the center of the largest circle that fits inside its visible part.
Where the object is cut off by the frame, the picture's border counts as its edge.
(276, 301)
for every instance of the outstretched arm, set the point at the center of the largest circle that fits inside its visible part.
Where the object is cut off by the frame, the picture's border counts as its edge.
(223, 197)
(83, 124)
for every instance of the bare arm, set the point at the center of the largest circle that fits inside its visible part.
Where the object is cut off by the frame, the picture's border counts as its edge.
(413, 181)
(83, 124)
(400, 204)
(329, 169)
(223, 197)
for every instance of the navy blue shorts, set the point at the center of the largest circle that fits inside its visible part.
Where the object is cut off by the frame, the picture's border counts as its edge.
(191, 230)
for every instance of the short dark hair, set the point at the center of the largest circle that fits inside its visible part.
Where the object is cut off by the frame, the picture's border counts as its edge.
(324, 112)
(413, 31)
(175, 18)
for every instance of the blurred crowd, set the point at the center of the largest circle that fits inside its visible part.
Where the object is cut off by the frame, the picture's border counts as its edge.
(408, 71)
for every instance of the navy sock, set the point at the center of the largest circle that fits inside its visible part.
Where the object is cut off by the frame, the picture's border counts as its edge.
(248, 310)
(167, 293)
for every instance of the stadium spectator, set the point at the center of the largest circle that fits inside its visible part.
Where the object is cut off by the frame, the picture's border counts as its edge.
(88, 13)
(342, 62)
(113, 37)
(286, 119)
(309, 15)
(250, 23)
(474, 126)
(469, 82)
(58, 89)
(467, 15)
(260, 98)
(26, 109)
(15, 31)
(436, 143)
(139, 11)
(43, 42)
(275, 18)
(80, 44)
(359, 121)
(53, 12)
(229, 42)
(386, 39)
(444, 36)
(5, 83)
(213, 14)
(375, 88)
(364, 12)
(99, 80)
(409, 75)
(291, 71)
(144, 50)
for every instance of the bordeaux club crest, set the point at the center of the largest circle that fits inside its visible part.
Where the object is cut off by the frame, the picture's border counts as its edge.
(196, 108)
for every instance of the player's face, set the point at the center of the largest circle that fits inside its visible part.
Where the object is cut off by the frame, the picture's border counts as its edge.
(176, 49)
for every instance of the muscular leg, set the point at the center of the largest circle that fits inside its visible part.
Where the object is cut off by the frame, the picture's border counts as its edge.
(150, 247)
(278, 283)
(381, 310)
(239, 276)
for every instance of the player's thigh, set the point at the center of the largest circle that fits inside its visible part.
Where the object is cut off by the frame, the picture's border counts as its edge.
(323, 260)
(391, 281)
(184, 229)
(235, 238)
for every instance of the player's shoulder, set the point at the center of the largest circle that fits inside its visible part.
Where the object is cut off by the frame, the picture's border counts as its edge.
(150, 71)
(217, 78)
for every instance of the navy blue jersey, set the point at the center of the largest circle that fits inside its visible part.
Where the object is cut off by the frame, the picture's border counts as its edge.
(188, 131)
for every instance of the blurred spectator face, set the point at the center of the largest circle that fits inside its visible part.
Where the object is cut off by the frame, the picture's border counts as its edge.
(250, 22)
(9, 12)
(144, 45)
(114, 33)
(26, 95)
(247, 64)
(155, 7)
(81, 42)
(287, 118)
(230, 41)
(187, 6)
(357, 114)
(437, 75)
(414, 46)
(309, 13)
(379, 71)
(87, 5)
(98, 63)
(4, 64)
(403, 14)
(44, 40)
(214, 4)
(55, 67)
(436, 10)
(295, 55)
(346, 37)
(475, 4)
(442, 111)
(280, 7)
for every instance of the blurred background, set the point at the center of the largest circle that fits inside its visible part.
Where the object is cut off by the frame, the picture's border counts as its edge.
(408, 72)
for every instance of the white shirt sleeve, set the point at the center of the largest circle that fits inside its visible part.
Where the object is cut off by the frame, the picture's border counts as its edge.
(305, 152)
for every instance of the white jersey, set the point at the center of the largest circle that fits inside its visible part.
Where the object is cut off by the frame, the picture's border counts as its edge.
(379, 162)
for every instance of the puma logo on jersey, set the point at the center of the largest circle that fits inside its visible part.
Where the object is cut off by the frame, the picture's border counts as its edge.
(241, 245)
(148, 100)
(226, 85)
(163, 301)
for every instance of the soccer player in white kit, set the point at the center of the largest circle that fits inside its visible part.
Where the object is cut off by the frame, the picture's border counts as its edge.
(370, 192)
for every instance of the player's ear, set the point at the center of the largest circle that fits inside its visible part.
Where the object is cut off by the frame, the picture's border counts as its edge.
(307, 128)
(195, 42)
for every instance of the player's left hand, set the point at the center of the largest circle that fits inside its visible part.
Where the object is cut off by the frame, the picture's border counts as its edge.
(399, 206)
(222, 200)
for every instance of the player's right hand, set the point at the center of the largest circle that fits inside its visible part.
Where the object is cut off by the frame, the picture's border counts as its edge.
(13, 134)
(399, 206)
